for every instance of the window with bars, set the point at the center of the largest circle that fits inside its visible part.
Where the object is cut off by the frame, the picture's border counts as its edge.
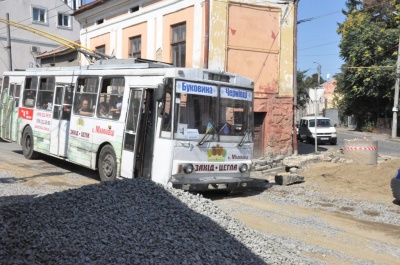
(178, 45)
(136, 47)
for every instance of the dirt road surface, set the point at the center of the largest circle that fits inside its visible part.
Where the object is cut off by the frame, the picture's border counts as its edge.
(345, 210)
(340, 214)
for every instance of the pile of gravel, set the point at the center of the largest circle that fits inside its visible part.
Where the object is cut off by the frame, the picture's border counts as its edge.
(132, 222)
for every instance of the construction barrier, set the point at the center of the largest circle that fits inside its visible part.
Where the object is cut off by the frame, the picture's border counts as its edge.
(361, 150)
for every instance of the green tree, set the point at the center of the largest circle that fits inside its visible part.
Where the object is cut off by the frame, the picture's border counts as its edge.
(305, 82)
(368, 46)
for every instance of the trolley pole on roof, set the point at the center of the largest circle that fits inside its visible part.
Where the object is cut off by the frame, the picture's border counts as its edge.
(9, 44)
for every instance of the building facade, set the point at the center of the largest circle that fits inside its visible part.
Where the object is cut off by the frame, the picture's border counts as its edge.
(252, 38)
(52, 16)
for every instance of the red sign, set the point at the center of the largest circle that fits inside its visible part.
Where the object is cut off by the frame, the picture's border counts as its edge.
(217, 167)
(25, 113)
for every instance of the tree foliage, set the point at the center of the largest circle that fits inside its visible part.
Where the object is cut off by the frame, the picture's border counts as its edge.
(369, 44)
(305, 82)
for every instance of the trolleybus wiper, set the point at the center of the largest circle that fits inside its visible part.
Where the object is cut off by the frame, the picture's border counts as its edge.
(246, 133)
(208, 131)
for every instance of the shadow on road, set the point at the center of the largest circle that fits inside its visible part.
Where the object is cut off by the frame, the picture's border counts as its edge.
(68, 167)
(305, 148)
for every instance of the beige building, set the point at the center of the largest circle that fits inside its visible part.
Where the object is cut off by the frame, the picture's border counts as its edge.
(251, 38)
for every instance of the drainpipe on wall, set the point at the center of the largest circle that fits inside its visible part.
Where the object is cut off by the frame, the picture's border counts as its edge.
(295, 147)
(206, 32)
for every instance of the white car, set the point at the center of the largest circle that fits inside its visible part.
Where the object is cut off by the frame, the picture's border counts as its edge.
(325, 131)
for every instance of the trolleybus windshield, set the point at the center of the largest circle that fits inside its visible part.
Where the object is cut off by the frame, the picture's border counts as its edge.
(207, 112)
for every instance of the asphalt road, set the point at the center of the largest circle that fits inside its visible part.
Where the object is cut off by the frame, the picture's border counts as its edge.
(386, 145)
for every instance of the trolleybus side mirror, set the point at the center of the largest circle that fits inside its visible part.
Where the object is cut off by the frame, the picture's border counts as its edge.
(159, 94)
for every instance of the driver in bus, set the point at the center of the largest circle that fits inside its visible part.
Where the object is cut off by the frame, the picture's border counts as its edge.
(85, 110)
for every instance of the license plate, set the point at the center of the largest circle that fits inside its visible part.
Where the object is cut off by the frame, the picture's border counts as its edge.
(324, 138)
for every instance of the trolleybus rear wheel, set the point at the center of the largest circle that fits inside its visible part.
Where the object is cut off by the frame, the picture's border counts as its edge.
(107, 164)
(27, 144)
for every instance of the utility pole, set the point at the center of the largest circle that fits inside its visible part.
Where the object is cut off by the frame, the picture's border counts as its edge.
(396, 95)
(9, 43)
(295, 89)
(316, 105)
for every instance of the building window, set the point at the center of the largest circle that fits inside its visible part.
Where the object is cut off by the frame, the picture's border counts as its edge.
(64, 20)
(178, 45)
(39, 15)
(134, 9)
(136, 47)
(101, 49)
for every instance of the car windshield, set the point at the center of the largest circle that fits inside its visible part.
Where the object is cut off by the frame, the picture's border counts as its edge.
(321, 123)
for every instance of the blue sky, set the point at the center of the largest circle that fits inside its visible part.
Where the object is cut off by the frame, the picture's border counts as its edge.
(317, 40)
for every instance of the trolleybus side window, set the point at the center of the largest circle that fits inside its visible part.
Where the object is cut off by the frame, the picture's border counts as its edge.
(30, 89)
(86, 95)
(167, 111)
(110, 98)
(15, 91)
(4, 89)
(6, 81)
(45, 93)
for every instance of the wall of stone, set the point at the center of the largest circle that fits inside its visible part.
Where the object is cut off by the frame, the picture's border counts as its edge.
(278, 137)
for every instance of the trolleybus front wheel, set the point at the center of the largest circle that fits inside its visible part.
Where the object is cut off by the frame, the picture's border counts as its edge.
(27, 144)
(107, 164)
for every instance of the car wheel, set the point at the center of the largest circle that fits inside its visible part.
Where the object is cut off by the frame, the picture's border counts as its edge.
(334, 143)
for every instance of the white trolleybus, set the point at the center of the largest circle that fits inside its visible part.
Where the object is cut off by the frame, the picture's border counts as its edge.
(187, 128)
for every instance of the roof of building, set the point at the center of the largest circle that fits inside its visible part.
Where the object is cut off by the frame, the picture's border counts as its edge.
(89, 6)
(60, 50)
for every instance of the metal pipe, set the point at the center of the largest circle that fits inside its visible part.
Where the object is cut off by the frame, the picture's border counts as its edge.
(396, 95)
(9, 43)
(206, 32)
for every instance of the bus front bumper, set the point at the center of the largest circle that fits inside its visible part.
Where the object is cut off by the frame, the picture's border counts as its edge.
(231, 184)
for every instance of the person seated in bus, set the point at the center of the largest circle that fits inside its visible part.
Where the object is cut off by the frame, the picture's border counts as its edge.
(85, 109)
(115, 110)
(103, 110)
(29, 99)
(117, 106)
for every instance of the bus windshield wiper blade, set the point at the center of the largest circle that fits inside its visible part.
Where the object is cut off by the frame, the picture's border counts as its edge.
(246, 133)
(208, 131)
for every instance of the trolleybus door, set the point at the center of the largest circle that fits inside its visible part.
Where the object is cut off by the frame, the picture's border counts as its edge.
(131, 130)
(60, 122)
(10, 102)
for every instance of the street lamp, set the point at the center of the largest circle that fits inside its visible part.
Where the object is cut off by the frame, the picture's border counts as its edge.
(315, 104)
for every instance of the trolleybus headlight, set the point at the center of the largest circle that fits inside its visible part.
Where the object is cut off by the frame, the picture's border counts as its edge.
(188, 168)
(243, 168)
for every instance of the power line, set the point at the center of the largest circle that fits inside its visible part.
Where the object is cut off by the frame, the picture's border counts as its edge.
(317, 17)
(318, 45)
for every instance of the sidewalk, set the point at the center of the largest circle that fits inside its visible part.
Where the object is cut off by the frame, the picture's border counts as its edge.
(373, 136)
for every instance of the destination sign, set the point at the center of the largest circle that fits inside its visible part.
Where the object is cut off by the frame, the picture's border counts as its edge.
(196, 88)
(217, 167)
(235, 93)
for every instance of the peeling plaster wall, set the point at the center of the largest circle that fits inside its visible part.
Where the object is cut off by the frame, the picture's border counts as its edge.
(264, 53)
